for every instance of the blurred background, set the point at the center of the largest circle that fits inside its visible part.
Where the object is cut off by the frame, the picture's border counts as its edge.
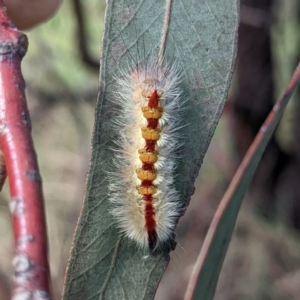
(61, 73)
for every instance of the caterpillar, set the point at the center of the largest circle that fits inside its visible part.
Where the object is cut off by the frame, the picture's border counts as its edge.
(145, 200)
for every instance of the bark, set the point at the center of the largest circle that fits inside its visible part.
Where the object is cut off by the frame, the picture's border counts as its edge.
(31, 270)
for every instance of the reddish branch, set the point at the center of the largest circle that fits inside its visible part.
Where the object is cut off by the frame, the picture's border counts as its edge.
(31, 270)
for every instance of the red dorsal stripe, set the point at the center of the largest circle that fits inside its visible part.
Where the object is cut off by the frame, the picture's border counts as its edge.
(146, 183)
(152, 123)
(153, 100)
(148, 166)
(150, 145)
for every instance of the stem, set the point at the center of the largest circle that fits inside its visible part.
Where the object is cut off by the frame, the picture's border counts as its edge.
(82, 37)
(2, 170)
(31, 269)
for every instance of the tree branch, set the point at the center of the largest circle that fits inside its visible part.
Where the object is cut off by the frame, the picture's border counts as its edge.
(31, 270)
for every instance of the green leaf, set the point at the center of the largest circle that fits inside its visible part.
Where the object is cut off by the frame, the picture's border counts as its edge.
(201, 39)
(209, 263)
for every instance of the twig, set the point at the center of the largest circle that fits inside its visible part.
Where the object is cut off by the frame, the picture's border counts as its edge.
(31, 270)
(2, 170)
(82, 40)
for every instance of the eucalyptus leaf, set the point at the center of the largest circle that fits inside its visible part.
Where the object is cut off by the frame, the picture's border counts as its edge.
(201, 40)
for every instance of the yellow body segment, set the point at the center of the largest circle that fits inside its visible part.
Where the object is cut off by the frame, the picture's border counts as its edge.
(150, 134)
(148, 157)
(150, 190)
(152, 113)
(146, 174)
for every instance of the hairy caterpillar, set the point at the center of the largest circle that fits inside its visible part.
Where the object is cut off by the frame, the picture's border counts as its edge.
(142, 188)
